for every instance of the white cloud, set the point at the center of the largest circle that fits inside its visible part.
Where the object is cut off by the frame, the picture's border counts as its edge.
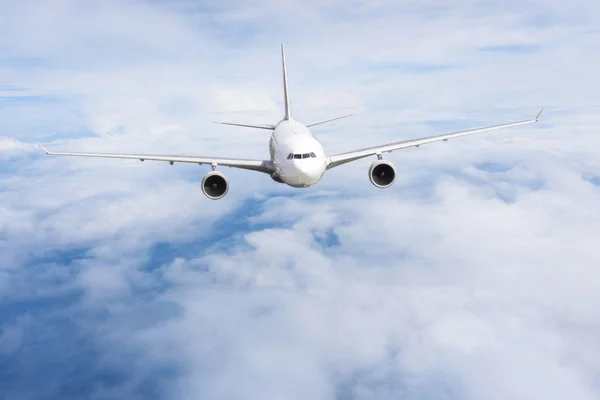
(7, 144)
(472, 277)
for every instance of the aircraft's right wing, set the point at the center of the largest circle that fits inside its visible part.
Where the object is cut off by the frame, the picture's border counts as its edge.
(343, 158)
(255, 165)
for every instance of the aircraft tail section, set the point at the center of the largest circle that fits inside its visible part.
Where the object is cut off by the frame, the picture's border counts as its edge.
(329, 120)
(257, 126)
(286, 98)
(286, 94)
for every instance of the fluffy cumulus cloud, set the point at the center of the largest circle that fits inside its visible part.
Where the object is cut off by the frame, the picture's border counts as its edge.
(474, 276)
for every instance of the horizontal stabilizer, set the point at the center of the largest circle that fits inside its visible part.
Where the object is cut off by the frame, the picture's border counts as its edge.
(329, 120)
(263, 126)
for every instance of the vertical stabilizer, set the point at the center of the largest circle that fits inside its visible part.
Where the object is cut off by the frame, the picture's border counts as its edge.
(286, 95)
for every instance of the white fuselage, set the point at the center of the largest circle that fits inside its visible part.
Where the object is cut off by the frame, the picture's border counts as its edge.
(307, 162)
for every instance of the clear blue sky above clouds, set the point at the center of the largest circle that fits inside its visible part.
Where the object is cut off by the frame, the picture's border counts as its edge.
(475, 276)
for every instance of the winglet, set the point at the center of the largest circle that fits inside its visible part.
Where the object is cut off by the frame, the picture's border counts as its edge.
(540, 113)
(43, 148)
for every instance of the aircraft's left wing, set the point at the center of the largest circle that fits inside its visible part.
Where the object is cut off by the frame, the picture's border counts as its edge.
(255, 165)
(343, 158)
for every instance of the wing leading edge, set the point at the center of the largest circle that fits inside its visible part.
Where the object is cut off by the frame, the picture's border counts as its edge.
(254, 165)
(343, 158)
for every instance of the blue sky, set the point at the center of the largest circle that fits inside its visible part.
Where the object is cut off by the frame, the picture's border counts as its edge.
(473, 276)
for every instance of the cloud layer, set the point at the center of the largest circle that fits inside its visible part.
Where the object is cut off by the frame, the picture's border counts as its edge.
(473, 277)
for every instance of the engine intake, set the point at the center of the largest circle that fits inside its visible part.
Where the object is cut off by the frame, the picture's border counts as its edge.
(382, 173)
(215, 185)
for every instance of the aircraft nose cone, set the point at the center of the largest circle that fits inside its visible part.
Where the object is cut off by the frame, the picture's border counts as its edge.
(310, 172)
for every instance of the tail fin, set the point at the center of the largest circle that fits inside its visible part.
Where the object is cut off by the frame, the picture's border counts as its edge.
(286, 95)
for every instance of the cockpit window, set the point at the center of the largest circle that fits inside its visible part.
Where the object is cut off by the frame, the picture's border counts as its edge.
(301, 156)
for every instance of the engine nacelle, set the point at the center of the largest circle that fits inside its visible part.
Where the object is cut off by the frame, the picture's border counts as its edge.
(215, 185)
(382, 173)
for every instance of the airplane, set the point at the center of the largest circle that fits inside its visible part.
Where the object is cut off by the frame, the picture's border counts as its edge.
(296, 156)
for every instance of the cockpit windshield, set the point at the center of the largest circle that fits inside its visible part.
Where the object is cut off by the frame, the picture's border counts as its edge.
(301, 156)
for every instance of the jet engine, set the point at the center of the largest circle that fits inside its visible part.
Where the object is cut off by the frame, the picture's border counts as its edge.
(215, 185)
(382, 173)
